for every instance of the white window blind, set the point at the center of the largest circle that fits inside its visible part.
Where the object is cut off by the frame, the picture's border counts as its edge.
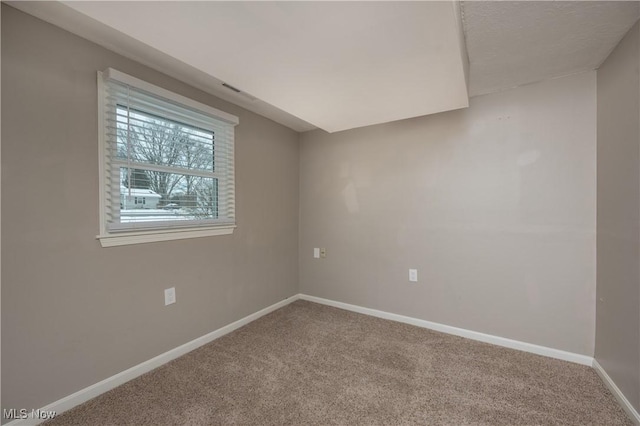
(167, 161)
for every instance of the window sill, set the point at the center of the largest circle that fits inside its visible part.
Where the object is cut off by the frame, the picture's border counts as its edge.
(141, 237)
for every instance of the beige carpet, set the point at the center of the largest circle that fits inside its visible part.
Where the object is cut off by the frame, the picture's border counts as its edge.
(308, 364)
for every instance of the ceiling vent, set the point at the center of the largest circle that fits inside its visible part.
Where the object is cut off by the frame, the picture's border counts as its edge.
(239, 92)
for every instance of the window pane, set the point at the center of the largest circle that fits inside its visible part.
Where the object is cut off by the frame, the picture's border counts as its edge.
(151, 196)
(150, 139)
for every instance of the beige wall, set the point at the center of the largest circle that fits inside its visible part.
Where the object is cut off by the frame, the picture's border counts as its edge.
(618, 306)
(74, 313)
(494, 205)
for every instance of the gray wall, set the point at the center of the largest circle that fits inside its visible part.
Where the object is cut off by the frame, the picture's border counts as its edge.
(494, 205)
(74, 313)
(618, 291)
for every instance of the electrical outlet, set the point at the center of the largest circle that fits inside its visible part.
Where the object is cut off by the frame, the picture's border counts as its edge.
(323, 253)
(413, 275)
(170, 296)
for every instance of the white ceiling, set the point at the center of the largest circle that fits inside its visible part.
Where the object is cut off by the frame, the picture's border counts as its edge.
(103, 35)
(513, 43)
(340, 65)
(335, 65)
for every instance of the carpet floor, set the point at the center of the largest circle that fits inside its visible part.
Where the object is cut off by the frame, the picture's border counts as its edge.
(309, 364)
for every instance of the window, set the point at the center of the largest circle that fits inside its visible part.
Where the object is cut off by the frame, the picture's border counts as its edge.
(166, 164)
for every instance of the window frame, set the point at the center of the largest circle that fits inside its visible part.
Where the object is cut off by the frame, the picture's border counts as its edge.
(139, 236)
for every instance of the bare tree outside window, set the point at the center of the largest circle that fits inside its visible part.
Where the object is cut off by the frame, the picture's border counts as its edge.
(145, 139)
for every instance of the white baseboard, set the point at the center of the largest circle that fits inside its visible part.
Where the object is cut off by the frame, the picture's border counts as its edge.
(617, 393)
(474, 335)
(105, 385)
(99, 388)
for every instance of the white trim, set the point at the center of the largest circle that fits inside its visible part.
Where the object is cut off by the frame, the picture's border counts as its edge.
(114, 239)
(83, 395)
(101, 150)
(617, 393)
(474, 335)
(111, 74)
